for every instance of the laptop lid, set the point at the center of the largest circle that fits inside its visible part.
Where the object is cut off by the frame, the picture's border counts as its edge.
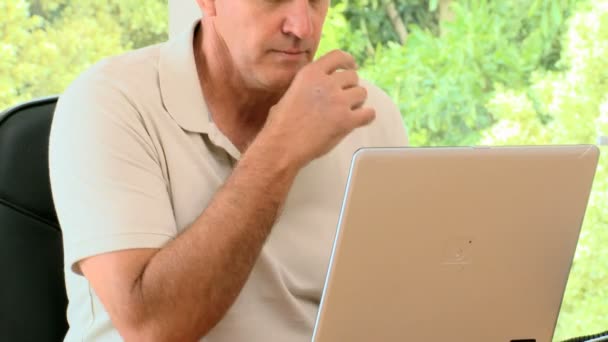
(455, 244)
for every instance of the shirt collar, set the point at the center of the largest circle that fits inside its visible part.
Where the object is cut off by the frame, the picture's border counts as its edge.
(179, 84)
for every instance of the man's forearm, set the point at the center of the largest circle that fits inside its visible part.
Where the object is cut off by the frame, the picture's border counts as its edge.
(188, 286)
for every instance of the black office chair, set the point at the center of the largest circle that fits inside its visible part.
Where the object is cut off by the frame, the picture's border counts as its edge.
(33, 299)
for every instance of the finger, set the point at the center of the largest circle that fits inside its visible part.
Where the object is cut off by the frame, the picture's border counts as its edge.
(362, 116)
(346, 79)
(335, 60)
(356, 96)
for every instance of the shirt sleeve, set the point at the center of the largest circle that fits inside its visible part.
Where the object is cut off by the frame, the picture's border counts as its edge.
(106, 179)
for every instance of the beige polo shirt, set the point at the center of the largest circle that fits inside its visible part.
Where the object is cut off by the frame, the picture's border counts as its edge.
(135, 159)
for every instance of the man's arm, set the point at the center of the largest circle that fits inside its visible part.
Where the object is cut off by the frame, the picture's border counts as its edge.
(181, 291)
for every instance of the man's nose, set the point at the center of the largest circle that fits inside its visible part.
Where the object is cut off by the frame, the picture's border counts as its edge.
(298, 20)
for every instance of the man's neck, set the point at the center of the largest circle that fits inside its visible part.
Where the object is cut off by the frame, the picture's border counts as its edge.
(238, 111)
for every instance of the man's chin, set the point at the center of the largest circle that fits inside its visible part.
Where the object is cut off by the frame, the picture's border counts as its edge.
(277, 77)
(280, 82)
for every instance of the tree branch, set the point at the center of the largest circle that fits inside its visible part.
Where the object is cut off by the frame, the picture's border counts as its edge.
(369, 48)
(445, 12)
(396, 21)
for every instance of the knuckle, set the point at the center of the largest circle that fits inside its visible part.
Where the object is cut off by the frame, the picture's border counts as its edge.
(344, 124)
(363, 91)
(310, 75)
(372, 112)
(343, 55)
(338, 99)
(306, 71)
(350, 76)
(361, 94)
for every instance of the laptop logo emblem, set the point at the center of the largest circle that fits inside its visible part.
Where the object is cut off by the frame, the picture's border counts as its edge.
(458, 251)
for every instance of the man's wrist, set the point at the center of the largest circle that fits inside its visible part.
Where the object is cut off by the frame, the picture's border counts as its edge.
(272, 157)
(270, 164)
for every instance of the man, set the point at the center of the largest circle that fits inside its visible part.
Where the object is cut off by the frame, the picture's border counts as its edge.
(198, 182)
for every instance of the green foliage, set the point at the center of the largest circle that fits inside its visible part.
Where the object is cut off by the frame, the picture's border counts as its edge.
(47, 43)
(368, 19)
(341, 36)
(442, 82)
(571, 106)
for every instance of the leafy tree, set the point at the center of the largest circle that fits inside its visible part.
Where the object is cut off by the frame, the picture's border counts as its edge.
(47, 43)
(442, 82)
(378, 22)
(570, 106)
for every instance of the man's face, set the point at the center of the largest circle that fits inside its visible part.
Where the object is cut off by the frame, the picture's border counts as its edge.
(269, 41)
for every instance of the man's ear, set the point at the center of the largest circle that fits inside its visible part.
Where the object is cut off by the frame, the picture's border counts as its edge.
(207, 6)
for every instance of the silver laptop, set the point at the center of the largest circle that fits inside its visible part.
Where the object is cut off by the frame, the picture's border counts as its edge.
(455, 244)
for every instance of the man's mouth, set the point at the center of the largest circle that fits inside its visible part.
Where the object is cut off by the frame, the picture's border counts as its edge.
(292, 52)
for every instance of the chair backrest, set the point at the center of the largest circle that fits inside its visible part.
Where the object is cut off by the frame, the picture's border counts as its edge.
(32, 288)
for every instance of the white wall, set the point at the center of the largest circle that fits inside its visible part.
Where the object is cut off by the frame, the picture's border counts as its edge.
(181, 14)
